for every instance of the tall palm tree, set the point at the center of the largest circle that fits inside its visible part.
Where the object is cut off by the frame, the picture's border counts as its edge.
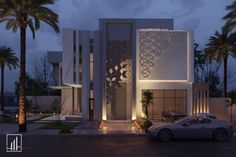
(222, 45)
(22, 14)
(231, 16)
(7, 58)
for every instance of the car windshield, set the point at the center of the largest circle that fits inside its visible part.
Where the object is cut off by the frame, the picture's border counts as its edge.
(181, 120)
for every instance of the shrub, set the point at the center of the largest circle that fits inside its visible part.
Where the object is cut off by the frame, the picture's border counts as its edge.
(8, 120)
(146, 125)
(57, 123)
(65, 130)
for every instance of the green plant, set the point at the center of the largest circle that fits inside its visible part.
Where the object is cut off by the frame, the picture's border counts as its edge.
(21, 15)
(221, 46)
(230, 16)
(55, 106)
(65, 130)
(58, 123)
(9, 60)
(146, 124)
(8, 120)
(146, 102)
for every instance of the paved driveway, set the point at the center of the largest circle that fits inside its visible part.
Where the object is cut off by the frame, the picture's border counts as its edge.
(118, 146)
(13, 128)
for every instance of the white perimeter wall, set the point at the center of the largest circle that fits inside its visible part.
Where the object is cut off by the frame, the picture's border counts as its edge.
(44, 102)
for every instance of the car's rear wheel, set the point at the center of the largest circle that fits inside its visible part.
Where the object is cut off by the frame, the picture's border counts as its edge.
(220, 135)
(165, 135)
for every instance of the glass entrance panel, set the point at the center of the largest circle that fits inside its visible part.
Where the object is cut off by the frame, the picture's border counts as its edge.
(119, 70)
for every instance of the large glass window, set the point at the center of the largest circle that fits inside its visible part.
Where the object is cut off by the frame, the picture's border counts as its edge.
(168, 100)
(118, 70)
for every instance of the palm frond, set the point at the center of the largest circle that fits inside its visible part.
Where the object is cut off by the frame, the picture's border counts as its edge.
(8, 58)
(18, 13)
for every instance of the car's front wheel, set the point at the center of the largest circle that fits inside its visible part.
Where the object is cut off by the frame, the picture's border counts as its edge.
(165, 135)
(220, 135)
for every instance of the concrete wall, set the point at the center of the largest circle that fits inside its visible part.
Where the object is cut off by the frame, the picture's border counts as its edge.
(164, 55)
(68, 56)
(84, 41)
(173, 67)
(97, 84)
(218, 107)
(44, 102)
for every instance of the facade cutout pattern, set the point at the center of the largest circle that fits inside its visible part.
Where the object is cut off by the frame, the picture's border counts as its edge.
(119, 67)
(151, 45)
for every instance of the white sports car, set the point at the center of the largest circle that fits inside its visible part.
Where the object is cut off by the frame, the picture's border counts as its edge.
(192, 127)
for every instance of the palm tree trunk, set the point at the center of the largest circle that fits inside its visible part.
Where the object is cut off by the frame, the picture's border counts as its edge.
(225, 75)
(22, 111)
(2, 89)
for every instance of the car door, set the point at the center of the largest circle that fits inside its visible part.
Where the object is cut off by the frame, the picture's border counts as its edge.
(205, 128)
(187, 129)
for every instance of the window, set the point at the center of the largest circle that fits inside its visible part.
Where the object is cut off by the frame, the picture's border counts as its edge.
(204, 121)
(168, 100)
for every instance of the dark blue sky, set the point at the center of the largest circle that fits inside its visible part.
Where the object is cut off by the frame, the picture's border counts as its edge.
(202, 16)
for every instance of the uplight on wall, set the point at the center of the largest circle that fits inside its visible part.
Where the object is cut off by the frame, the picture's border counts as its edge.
(104, 117)
(133, 117)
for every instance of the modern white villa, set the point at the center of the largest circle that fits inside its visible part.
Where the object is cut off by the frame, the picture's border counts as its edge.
(103, 73)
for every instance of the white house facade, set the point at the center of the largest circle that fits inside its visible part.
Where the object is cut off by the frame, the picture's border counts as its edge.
(102, 74)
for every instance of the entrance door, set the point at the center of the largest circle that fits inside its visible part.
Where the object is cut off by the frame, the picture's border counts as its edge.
(119, 105)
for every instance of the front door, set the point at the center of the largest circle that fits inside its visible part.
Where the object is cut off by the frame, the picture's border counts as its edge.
(119, 105)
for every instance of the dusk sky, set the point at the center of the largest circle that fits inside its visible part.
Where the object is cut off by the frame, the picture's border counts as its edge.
(204, 17)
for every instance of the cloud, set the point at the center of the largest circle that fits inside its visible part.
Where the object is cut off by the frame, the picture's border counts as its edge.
(84, 14)
(188, 7)
(191, 24)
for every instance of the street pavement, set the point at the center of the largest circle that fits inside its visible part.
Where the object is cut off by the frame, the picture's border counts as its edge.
(117, 146)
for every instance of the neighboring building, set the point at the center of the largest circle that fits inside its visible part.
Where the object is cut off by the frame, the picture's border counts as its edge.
(10, 102)
(103, 73)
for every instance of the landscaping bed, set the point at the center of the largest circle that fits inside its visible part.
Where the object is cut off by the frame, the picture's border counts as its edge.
(64, 127)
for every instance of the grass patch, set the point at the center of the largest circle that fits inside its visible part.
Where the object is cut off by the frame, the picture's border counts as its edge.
(9, 120)
(64, 127)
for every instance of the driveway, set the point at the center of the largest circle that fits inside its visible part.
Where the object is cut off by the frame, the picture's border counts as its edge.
(13, 128)
(118, 146)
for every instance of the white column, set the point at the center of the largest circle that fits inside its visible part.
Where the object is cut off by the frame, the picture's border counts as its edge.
(97, 82)
(84, 41)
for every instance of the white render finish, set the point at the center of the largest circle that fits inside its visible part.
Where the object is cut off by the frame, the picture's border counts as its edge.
(97, 74)
(172, 69)
(84, 41)
(67, 56)
(181, 76)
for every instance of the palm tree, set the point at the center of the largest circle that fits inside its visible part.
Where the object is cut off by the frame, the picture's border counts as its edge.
(147, 101)
(220, 47)
(22, 14)
(231, 16)
(7, 58)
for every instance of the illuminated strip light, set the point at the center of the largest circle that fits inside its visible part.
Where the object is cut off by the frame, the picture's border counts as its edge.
(162, 81)
(58, 87)
(74, 85)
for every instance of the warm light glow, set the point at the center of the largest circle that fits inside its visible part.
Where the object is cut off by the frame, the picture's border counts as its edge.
(183, 81)
(104, 113)
(143, 115)
(133, 116)
(104, 117)
(74, 85)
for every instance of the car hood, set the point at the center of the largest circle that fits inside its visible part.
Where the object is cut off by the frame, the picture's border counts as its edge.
(160, 124)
